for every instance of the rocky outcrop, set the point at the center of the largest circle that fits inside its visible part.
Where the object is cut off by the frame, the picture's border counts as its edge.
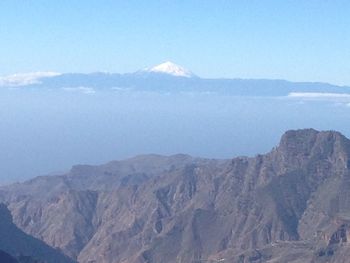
(289, 205)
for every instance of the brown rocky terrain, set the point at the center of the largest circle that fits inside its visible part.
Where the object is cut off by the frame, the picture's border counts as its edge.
(289, 205)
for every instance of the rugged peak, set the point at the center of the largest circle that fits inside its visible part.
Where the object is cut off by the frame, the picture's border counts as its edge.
(296, 139)
(305, 139)
(298, 147)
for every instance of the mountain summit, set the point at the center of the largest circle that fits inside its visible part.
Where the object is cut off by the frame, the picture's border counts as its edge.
(171, 69)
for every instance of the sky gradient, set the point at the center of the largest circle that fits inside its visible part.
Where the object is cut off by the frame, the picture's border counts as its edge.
(294, 40)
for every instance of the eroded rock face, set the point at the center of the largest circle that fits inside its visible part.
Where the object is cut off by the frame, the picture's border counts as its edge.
(289, 205)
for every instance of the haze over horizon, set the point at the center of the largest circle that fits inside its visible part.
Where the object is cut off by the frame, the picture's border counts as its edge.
(62, 120)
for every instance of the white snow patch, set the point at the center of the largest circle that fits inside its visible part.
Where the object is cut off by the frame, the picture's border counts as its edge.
(171, 69)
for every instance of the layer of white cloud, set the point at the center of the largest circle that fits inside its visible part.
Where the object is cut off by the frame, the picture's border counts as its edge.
(23, 79)
(319, 95)
(341, 99)
(85, 90)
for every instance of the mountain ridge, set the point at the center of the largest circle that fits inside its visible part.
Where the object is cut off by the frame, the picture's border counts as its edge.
(168, 77)
(288, 205)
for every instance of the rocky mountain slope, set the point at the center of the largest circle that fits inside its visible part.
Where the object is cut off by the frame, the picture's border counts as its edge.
(289, 205)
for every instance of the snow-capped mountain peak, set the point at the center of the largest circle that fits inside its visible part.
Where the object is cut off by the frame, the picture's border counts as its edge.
(171, 69)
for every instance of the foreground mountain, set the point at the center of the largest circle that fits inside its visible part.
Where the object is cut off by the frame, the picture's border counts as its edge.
(289, 205)
(16, 246)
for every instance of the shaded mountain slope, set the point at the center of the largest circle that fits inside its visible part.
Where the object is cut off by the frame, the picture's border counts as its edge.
(6, 258)
(16, 243)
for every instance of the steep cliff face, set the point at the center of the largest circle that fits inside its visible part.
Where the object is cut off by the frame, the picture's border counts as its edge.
(289, 205)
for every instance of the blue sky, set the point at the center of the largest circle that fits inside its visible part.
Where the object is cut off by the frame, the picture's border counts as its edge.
(296, 40)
